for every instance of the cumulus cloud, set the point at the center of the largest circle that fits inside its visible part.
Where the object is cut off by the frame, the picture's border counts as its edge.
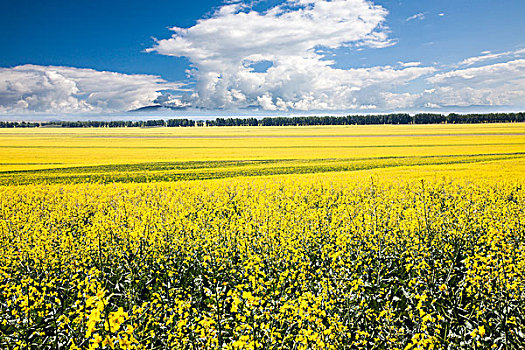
(291, 39)
(493, 85)
(500, 84)
(281, 59)
(50, 89)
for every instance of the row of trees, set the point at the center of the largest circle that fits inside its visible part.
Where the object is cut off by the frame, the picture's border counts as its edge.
(103, 124)
(399, 118)
(233, 122)
(19, 124)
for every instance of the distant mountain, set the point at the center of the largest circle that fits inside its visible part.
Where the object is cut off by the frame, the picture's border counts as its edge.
(158, 108)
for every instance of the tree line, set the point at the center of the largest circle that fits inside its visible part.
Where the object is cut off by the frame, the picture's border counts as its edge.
(104, 124)
(376, 119)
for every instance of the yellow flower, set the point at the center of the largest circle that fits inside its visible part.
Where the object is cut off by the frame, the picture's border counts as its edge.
(481, 331)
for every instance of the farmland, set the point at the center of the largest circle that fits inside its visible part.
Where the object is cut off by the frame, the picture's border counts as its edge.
(167, 154)
(357, 237)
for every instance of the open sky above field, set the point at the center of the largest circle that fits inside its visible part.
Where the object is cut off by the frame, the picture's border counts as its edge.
(86, 58)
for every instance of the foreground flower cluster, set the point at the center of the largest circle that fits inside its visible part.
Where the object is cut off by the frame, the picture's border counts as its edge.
(293, 263)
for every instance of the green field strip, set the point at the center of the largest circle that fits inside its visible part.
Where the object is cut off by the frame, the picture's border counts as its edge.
(154, 166)
(155, 172)
(184, 165)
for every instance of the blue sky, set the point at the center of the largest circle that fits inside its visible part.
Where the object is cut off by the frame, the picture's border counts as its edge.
(300, 56)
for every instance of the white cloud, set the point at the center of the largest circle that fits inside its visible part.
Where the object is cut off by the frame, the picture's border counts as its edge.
(291, 37)
(266, 102)
(489, 56)
(50, 89)
(420, 16)
(499, 72)
(400, 100)
(493, 85)
(409, 64)
(485, 57)
(500, 84)
(278, 60)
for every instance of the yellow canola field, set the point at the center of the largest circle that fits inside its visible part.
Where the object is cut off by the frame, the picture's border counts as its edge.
(411, 256)
(56, 147)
